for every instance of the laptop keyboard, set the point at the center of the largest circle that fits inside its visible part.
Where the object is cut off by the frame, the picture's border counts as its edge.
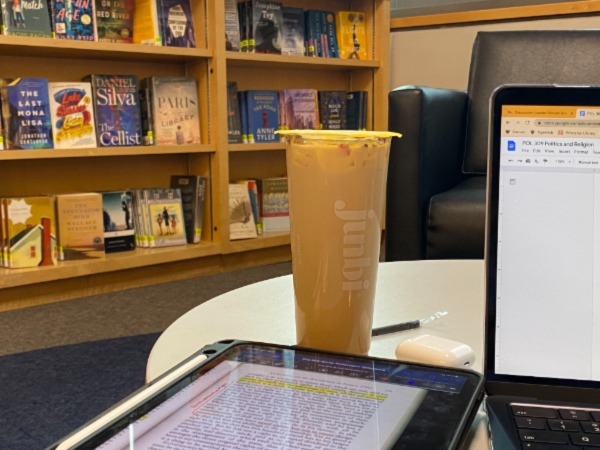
(550, 428)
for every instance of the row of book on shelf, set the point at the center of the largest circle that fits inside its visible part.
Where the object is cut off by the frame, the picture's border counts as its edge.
(41, 230)
(257, 206)
(151, 22)
(255, 115)
(262, 26)
(100, 111)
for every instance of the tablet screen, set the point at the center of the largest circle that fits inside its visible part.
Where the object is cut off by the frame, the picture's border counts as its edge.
(258, 396)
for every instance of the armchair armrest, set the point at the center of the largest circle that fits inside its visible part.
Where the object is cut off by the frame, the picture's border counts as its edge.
(427, 160)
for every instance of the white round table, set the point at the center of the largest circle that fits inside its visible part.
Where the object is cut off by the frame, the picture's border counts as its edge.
(406, 290)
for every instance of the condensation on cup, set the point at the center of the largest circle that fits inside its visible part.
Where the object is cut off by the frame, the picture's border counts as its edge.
(336, 188)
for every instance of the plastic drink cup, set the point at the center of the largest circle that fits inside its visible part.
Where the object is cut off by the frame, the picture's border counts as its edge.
(336, 189)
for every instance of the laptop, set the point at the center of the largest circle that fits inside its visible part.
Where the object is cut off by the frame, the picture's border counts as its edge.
(542, 362)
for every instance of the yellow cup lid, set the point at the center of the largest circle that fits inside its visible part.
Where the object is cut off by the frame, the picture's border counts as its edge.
(337, 134)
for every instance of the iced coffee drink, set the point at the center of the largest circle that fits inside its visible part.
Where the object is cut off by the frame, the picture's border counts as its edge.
(336, 194)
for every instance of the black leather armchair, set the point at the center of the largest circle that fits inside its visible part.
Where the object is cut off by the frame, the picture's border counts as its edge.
(436, 180)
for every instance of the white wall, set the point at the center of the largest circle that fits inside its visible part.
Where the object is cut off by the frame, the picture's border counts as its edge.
(440, 57)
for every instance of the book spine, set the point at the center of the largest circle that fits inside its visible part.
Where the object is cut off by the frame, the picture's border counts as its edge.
(146, 116)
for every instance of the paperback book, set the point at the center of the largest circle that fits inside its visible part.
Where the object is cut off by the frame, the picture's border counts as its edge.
(267, 25)
(292, 35)
(146, 116)
(234, 121)
(273, 204)
(356, 110)
(26, 114)
(253, 194)
(165, 217)
(26, 18)
(146, 30)
(193, 198)
(174, 109)
(241, 218)
(299, 109)
(232, 26)
(332, 110)
(72, 113)
(263, 116)
(29, 237)
(176, 26)
(79, 224)
(118, 221)
(351, 29)
(114, 20)
(74, 19)
(116, 109)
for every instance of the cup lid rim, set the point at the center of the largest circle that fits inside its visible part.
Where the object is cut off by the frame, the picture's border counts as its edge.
(332, 134)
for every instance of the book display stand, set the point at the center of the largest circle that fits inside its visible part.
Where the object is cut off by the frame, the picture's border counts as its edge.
(58, 171)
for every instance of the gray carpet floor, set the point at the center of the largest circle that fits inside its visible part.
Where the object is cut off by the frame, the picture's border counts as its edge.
(126, 313)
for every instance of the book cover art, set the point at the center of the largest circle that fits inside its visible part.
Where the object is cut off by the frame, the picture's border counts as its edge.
(292, 34)
(114, 20)
(300, 108)
(80, 226)
(72, 113)
(116, 109)
(26, 114)
(267, 24)
(356, 110)
(176, 25)
(26, 18)
(175, 110)
(263, 116)
(234, 121)
(241, 218)
(351, 29)
(146, 30)
(273, 204)
(74, 19)
(232, 26)
(332, 110)
(253, 194)
(118, 221)
(165, 217)
(193, 198)
(30, 232)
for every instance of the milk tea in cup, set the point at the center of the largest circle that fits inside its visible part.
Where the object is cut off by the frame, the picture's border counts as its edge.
(336, 182)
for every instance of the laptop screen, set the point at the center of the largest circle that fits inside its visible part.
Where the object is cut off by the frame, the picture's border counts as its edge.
(544, 237)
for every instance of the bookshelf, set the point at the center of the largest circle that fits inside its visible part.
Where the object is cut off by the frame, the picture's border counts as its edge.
(32, 172)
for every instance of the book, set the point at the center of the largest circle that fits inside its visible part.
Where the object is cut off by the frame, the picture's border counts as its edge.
(118, 221)
(329, 31)
(72, 114)
(300, 109)
(175, 23)
(146, 30)
(292, 33)
(30, 232)
(114, 20)
(332, 110)
(232, 26)
(3, 144)
(234, 121)
(116, 109)
(193, 198)
(166, 225)
(26, 114)
(243, 100)
(253, 194)
(314, 38)
(146, 116)
(140, 218)
(273, 204)
(174, 110)
(356, 110)
(267, 24)
(80, 229)
(241, 218)
(74, 19)
(351, 29)
(26, 18)
(263, 115)
(243, 26)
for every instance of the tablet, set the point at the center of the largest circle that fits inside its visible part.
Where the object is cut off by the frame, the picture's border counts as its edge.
(251, 395)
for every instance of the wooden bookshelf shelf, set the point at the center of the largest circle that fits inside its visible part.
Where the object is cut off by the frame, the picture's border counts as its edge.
(265, 240)
(236, 59)
(256, 147)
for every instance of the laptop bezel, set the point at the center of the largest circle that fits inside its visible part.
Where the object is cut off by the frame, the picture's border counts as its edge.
(496, 384)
